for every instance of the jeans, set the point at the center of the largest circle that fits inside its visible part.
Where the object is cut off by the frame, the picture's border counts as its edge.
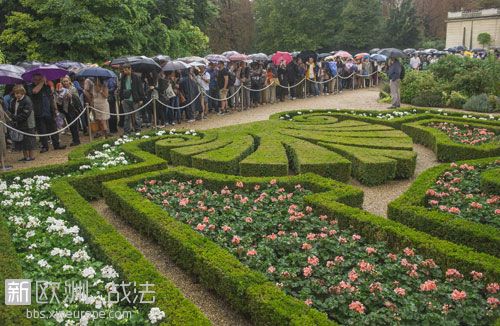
(45, 125)
(129, 106)
(70, 116)
(113, 119)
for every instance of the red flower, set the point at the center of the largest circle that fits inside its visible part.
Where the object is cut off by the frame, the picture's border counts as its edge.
(494, 302)
(408, 252)
(357, 306)
(428, 286)
(313, 260)
(400, 291)
(492, 288)
(251, 252)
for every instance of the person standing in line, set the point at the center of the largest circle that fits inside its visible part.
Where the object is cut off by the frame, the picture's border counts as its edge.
(394, 74)
(415, 62)
(292, 77)
(69, 104)
(44, 108)
(22, 113)
(203, 80)
(101, 114)
(132, 97)
(113, 119)
(223, 84)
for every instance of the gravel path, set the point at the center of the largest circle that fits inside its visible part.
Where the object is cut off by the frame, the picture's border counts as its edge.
(214, 307)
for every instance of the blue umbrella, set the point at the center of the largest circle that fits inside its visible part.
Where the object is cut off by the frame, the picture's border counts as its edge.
(96, 72)
(378, 57)
(51, 72)
(10, 74)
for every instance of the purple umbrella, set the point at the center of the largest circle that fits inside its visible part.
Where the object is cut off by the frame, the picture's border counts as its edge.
(216, 58)
(10, 74)
(50, 72)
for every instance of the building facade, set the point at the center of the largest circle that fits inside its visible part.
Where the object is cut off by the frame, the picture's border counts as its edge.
(463, 27)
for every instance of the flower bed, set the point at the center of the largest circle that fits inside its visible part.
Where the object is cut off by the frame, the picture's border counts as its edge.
(332, 269)
(458, 191)
(466, 134)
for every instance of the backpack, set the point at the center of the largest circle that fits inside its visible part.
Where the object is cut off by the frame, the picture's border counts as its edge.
(403, 72)
(232, 78)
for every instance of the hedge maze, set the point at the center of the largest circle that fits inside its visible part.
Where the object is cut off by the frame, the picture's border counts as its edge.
(320, 150)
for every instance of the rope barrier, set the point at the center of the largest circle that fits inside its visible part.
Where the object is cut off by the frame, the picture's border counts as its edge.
(224, 99)
(45, 135)
(321, 82)
(288, 87)
(347, 76)
(257, 90)
(179, 107)
(122, 114)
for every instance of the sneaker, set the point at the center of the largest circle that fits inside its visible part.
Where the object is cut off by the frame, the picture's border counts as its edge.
(30, 159)
(60, 147)
(24, 159)
(191, 121)
(43, 150)
(7, 168)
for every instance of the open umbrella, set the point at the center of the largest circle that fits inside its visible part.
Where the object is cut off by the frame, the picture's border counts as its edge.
(10, 74)
(374, 51)
(409, 51)
(342, 54)
(295, 54)
(378, 57)
(175, 65)
(258, 57)
(192, 59)
(96, 72)
(29, 64)
(306, 54)
(51, 72)
(197, 64)
(216, 58)
(478, 50)
(460, 48)
(362, 55)
(238, 57)
(330, 58)
(451, 50)
(160, 57)
(126, 59)
(392, 53)
(145, 65)
(70, 65)
(323, 55)
(281, 56)
(227, 54)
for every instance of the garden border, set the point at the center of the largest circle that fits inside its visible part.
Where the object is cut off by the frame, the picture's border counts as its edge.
(409, 209)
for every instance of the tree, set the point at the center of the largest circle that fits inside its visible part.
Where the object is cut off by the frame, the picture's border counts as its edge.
(402, 27)
(361, 25)
(484, 39)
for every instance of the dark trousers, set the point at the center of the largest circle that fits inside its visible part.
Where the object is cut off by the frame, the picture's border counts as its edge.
(293, 91)
(70, 116)
(113, 119)
(45, 125)
(213, 105)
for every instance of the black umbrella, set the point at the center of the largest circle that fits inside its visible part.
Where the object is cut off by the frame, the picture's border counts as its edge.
(409, 51)
(392, 53)
(68, 64)
(460, 48)
(175, 65)
(161, 58)
(452, 50)
(306, 54)
(374, 51)
(123, 60)
(145, 65)
(478, 50)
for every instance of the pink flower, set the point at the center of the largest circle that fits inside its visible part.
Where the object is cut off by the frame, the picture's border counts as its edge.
(356, 237)
(443, 208)
(353, 276)
(332, 232)
(365, 267)
(226, 228)
(476, 275)
(313, 260)
(308, 302)
(306, 246)
(248, 219)
(271, 269)
(428, 286)
(429, 263)
(375, 287)
(323, 217)
(298, 186)
(492, 288)
(201, 227)
(152, 182)
(199, 182)
(244, 200)
(251, 252)
(400, 291)
(339, 259)
(311, 236)
(206, 219)
(457, 295)
(476, 205)
(433, 202)
(497, 211)
(453, 165)
(271, 236)
(342, 240)
(494, 302)
(236, 240)
(408, 252)
(454, 210)
(272, 182)
(309, 209)
(239, 184)
(307, 271)
(357, 306)
(330, 263)
(370, 250)
(392, 256)
(184, 202)
(452, 273)
(430, 192)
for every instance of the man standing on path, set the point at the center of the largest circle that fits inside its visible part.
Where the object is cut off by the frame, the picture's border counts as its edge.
(223, 84)
(132, 96)
(394, 73)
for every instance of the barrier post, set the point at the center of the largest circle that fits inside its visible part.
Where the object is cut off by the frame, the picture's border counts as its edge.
(353, 80)
(242, 95)
(154, 97)
(87, 107)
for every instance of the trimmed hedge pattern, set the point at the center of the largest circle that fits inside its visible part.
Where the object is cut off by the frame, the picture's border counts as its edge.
(409, 209)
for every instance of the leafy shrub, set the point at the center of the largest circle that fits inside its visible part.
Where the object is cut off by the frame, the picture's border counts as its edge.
(479, 103)
(430, 98)
(421, 85)
(456, 100)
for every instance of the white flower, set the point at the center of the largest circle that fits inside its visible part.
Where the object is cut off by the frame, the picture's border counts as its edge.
(85, 167)
(30, 234)
(108, 272)
(60, 252)
(43, 263)
(110, 287)
(80, 255)
(106, 146)
(77, 240)
(59, 316)
(88, 272)
(67, 267)
(32, 246)
(30, 257)
(84, 320)
(33, 222)
(155, 315)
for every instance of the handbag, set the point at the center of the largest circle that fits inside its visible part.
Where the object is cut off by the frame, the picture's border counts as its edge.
(15, 135)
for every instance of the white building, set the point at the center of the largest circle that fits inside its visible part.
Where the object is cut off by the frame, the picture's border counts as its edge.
(463, 27)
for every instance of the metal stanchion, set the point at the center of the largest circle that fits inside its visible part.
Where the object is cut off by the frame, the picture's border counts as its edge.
(154, 97)
(87, 107)
(242, 96)
(353, 82)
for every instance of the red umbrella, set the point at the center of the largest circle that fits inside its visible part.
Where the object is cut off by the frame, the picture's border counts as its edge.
(361, 55)
(281, 56)
(238, 57)
(343, 54)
